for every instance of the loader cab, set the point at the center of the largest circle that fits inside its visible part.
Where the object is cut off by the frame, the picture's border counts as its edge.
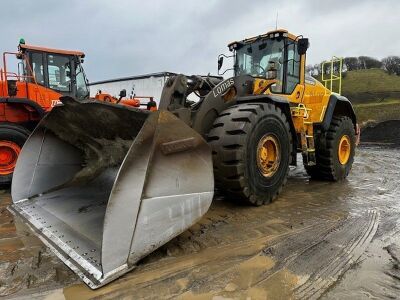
(277, 57)
(58, 70)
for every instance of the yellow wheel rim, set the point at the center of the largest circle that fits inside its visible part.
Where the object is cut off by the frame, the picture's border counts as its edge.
(268, 155)
(344, 149)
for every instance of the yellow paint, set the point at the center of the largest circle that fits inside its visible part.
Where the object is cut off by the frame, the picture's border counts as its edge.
(344, 149)
(314, 97)
(268, 155)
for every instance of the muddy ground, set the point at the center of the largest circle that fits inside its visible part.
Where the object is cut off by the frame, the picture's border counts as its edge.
(319, 239)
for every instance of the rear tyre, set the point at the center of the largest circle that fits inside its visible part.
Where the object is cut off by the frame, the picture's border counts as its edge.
(251, 146)
(12, 138)
(335, 152)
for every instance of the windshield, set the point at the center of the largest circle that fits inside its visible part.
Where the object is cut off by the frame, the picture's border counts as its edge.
(259, 57)
(59, 72)
(82, 91)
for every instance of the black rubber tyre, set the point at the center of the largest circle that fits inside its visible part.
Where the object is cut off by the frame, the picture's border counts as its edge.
(234, 139)
(14, 133)
(328, 166)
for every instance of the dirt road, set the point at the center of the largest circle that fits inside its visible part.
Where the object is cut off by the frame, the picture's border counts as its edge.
(319, 239)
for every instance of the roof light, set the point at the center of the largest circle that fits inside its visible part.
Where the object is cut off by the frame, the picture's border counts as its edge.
(22, 41)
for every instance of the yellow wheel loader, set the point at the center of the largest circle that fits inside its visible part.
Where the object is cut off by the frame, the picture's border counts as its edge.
(105, 185)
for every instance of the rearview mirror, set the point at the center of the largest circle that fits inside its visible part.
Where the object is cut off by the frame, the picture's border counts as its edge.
(302, 46)
(220, 62)
(122, 93)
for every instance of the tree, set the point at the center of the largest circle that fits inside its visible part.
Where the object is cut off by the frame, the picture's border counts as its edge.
(310, 69)
(352, 63)
(367, 62)
(317, 69)
(392, 64)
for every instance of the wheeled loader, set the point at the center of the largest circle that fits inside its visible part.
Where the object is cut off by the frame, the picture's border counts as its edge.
(42, 76)
(105, 185)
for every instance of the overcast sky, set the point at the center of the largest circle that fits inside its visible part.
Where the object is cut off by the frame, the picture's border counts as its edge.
(123, 38)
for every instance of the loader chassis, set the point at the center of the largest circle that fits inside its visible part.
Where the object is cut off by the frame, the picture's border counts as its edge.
(269, 83)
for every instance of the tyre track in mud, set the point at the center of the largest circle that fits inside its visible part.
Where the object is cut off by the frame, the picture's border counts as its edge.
(306, 246)
(208, 271)
(320, 280)
(298, 247)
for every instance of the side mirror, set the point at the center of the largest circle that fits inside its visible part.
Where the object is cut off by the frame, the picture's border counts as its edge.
(122, 94)
(272, 72)
(220, 62)
(302, 46)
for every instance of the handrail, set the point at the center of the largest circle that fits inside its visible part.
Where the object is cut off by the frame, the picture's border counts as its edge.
(19, 77)
(332, 76)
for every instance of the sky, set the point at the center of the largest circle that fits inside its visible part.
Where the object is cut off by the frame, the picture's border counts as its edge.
(125, 38)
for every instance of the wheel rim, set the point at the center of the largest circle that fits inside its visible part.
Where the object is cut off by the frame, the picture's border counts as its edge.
(268, 155)
(9, 152)
(344, 149)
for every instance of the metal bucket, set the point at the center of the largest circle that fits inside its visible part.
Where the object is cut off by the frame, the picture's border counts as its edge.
(104, 185)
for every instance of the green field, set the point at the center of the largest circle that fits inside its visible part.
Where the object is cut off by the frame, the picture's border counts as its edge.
(372, 85)
(372, 80)
(382, 111)
(374, 94)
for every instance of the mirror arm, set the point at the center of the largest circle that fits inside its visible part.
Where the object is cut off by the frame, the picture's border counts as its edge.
(226, 56)
(225, 71)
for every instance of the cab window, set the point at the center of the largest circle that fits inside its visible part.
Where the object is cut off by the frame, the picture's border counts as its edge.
(37, 67)
(260, 57)
(59, 72)
(293, 68)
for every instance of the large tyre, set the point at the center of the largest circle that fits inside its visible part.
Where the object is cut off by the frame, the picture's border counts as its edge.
(12, 138)
(334, 151)
(251, 146)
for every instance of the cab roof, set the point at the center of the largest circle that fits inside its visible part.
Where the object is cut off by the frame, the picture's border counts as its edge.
(51, 50)
(271, 33)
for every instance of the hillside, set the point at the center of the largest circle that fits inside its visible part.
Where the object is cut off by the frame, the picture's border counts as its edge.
(374, 94)
(372, 85)
(377, 112)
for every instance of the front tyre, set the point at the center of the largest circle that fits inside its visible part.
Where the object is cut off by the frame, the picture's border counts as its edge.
(251, 146)
(12, 138)
(335, 153)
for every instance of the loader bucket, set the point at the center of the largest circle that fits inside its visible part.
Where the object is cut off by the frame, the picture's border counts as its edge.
(104, 185)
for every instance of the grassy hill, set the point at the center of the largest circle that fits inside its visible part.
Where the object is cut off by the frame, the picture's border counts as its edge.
(372, 80)
(378, 112)
(363, 86)
(374, 93)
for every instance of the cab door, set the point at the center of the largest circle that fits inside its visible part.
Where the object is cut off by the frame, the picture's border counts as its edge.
(59, 73)
(293, 73)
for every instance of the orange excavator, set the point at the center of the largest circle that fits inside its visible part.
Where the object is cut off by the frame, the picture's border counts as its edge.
(134, 101)
(43, 75)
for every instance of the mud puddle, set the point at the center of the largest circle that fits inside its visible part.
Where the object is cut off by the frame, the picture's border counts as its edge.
(319, 239)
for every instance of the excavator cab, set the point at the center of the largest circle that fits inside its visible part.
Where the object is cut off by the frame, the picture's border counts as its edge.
(32, 80)
(44, 75)
(60, 71)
